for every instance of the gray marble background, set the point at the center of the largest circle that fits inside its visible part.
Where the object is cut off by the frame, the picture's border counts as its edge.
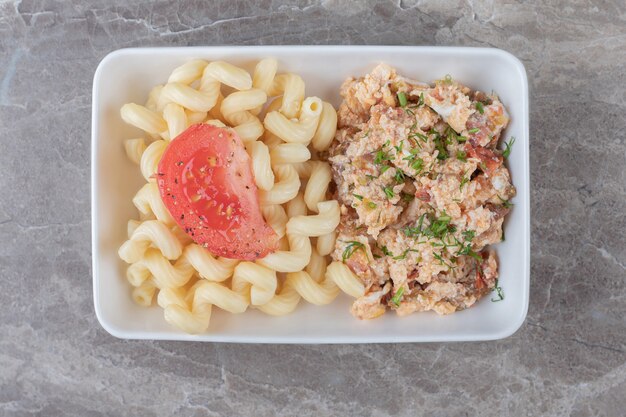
(568, 359)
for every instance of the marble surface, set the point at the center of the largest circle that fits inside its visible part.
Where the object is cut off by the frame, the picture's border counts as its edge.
(569, 358)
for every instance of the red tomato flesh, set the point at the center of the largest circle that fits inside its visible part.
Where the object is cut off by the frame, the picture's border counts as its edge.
(206, 182)
(490, 160)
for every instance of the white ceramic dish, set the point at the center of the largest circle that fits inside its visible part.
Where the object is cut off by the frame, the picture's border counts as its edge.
(127, 75)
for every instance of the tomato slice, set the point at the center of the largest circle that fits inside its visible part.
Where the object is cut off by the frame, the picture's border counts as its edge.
(206, 182)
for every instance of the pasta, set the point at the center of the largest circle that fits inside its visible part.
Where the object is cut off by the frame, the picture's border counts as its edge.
(150, 158)
(176, 119)
(143, 118)
(256, 282)
(345, 279)
(300, 131)
(149, 203)
(188, 72)
(185, 278)
(285, 189)
(317, 185)
(150, 232)
(291, 87)
(263, 175)
(326, 129)
(134, 149)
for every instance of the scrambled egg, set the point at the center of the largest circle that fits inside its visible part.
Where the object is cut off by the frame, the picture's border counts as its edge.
(423, 191)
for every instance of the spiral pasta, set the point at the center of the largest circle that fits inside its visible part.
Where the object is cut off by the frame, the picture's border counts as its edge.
(150, 232)
(150, 159)
(149, 203)
(289, 153)
(134, 149)
(300, 131)
(234, 110)
(345, 279)
(317, 186)
(176, 119)
(291, 86)
(186, 279)
(143, 118)
(189, 72)
(256, 282)
(326, 129)
(285, 189)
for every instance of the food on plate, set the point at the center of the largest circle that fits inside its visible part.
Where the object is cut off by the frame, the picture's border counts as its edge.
(205, 180)
(257, 196)
(423, 192)
(235, 193)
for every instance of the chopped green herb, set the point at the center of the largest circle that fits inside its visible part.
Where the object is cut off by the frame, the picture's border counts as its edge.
(506, 203)
(418, 135)
(415, 162)
(400, 176)
(461, 156)
(389, 192)
(448, 79)
(352, 247)
(421, 100)
(386, 251)
(372, 205)
(402, 99)
(450, 135)
(443, 154)
(377, 256)
(480, 108)
(439, 227)
(382, 155)
(358, 197)
(370, 177)
(407, 196)
(468, 235)
(399, 146)
(417, 165)
(414, 135)
(474, 130)
(415, 231)
(384, 169)
(398, 296)
(467, 250)
(499, 292)
(464, 181)
(441, 260)
(507, 150)
(403, 256)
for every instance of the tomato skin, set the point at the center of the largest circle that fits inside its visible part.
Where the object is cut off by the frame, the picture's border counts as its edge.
(489, 159)
(206, 182)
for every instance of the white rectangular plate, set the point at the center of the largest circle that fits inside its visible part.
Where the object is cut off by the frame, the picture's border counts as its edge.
(127, 75)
